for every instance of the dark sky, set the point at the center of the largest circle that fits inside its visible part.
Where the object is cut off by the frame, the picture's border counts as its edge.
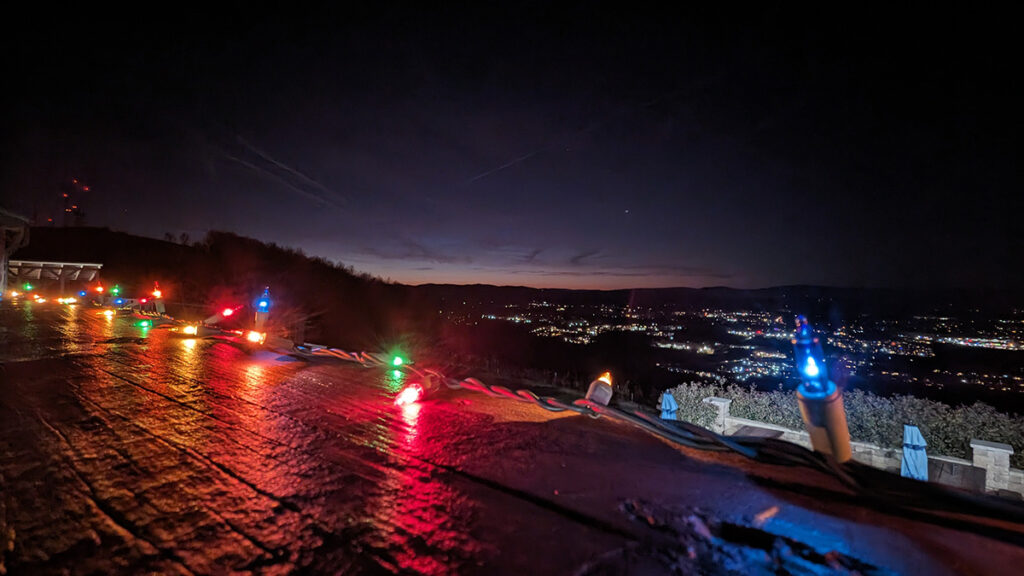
(573, 147)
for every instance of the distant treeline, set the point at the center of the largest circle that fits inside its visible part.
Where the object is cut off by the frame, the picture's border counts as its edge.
(330, 302)
(316, 300)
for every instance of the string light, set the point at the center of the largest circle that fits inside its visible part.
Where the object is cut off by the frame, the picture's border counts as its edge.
(409, 395)
(600, 390)
(820, 401)
(263, 302)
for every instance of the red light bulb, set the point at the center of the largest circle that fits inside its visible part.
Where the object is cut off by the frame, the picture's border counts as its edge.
(227, 312)
(409, 395)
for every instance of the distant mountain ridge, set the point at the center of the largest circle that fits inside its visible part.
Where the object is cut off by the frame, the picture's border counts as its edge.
(134, 256)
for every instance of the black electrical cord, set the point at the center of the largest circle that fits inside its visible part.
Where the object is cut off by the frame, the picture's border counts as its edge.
(922, 500)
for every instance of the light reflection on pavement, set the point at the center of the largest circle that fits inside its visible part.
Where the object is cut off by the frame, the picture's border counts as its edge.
(132, 450)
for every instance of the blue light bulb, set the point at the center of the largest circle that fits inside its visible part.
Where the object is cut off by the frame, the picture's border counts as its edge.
(811, 369)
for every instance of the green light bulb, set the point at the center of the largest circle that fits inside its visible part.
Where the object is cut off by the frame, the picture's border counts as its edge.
(398, 361)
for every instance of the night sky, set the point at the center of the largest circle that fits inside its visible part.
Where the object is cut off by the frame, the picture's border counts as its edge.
(569, 147)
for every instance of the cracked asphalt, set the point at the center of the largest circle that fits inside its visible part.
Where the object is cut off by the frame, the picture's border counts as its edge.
(131, 450)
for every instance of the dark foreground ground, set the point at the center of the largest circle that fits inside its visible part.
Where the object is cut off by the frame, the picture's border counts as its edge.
(126, 450)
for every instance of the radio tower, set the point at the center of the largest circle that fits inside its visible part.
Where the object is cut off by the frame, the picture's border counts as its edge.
(74, 215)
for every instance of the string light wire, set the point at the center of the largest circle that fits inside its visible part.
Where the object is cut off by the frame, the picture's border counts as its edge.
(926, 501)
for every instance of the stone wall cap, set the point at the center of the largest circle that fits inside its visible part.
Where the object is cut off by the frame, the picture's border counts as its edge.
(994, 446)
(716, 400)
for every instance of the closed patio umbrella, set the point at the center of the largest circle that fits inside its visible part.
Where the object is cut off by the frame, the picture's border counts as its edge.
(669, 407)
(915, 460)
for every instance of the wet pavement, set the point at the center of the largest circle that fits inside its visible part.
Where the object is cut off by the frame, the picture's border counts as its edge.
(130, 450)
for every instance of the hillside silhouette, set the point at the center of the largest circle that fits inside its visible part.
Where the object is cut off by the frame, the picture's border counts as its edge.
(331, 303)
(316, 300)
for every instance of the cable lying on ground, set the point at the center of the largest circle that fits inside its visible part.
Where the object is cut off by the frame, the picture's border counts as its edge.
(921, 500)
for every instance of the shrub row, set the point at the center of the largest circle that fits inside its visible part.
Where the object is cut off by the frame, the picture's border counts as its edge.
(872, 418)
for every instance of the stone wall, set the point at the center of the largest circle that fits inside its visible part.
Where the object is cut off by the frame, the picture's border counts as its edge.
(992, 458)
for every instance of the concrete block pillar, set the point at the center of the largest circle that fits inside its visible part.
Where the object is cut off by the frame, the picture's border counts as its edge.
(995, 459)
(721, 406)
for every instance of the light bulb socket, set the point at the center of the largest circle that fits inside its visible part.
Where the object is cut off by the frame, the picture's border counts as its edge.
(600, 392)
